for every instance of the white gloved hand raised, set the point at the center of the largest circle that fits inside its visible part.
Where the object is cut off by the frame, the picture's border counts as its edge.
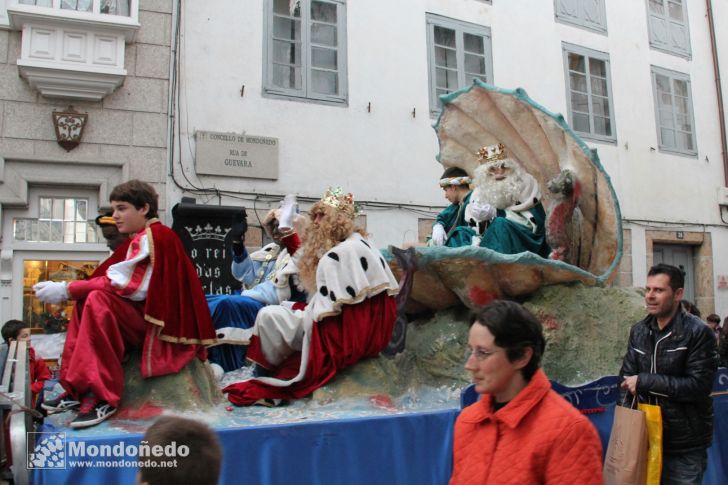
(438, 235)
(51, 291)
(481, 212)
(288, 210)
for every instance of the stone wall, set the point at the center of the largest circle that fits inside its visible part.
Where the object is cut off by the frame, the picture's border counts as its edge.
(624, 277)
(126, 133)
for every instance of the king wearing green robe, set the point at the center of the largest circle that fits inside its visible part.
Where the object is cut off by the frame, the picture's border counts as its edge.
(505, 206)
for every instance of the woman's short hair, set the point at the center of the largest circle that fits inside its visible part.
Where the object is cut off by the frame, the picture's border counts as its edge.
(515, 329)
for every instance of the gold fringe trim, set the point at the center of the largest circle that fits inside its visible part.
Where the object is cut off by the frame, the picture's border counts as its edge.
(175, 340)
(153, 320)
(155, 333)
(150, 239)
(187, 341)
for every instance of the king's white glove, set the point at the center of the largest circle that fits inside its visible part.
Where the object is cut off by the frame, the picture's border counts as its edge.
(438, 235)
(480, 212)
(51, 291)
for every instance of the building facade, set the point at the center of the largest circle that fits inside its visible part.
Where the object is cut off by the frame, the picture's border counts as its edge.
(350, 91)
(108, 60)
(240, 103)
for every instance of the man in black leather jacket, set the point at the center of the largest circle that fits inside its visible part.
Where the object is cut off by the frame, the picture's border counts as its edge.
(671, 361)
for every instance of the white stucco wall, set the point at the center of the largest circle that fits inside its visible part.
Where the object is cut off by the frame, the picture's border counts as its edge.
(389, 156)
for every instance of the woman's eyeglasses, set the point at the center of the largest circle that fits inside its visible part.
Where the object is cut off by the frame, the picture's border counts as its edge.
(479, 354)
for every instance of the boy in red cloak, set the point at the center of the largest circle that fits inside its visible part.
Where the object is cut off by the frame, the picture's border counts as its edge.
(145, 295)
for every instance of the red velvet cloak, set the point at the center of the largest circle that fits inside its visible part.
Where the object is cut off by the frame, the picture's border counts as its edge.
(175, 306)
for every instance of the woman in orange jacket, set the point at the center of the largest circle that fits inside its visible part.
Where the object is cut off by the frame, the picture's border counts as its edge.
(520, 431)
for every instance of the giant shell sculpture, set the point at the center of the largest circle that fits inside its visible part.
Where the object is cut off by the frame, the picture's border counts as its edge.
(482, 114)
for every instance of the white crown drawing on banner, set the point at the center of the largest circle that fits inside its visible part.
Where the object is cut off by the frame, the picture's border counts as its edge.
(208, 232)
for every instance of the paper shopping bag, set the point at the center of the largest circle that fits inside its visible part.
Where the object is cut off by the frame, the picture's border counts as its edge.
(626, 459)
(653, 418)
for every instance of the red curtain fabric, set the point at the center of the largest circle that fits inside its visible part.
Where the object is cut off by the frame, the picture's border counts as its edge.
(337, 342)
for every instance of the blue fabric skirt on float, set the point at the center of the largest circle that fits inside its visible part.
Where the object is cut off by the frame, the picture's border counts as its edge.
(231, 311)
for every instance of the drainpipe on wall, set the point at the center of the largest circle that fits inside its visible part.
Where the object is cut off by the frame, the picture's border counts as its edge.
(716, 71)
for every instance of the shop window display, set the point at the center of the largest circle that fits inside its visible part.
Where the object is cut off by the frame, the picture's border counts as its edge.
(47, 318)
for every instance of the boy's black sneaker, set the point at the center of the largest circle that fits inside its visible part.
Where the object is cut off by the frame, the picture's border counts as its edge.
(62, 403)
(92, 412)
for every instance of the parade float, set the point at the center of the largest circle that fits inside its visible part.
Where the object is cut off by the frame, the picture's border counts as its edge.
(389, 419)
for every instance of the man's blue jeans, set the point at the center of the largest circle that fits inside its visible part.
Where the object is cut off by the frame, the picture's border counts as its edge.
(684, 468)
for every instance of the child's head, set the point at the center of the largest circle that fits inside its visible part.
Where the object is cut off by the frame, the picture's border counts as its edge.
(137, 193)
(133, 202)
(456, 184)
(200, 463)
(15, 330)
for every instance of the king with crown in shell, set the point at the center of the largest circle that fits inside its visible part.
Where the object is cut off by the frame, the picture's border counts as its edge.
(505, 207)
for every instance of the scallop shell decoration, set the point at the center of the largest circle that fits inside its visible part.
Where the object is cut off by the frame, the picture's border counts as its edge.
(546, 147)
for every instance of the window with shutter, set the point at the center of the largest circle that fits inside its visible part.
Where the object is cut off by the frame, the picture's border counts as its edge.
(458, 52)
(589, 93)
(306, 50)
(588, 14)
(674, 112)
(668, 26)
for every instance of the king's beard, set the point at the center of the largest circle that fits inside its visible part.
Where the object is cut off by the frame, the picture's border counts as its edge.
(501, 194)
(334, 227)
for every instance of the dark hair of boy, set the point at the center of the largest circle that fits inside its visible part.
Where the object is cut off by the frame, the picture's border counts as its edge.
(137, 193)
(200, 466)
(11, 329)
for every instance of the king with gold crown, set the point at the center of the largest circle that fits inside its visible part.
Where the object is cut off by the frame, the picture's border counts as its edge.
(349, 315)
(505, 207)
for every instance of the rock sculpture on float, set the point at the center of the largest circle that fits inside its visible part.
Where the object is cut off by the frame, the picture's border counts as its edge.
(586, 329)
(191, 389)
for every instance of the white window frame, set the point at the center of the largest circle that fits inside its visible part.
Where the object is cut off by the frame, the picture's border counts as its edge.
(33, 212)
(58, 4)
(15, 252)
(685, 24)
(674, 76)
(601, 56)
(69, 226)
(305, 94)
(579, 19)
(24, 13)
(461, 28)
(4, 20)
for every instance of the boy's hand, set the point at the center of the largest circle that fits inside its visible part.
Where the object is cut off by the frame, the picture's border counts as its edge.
(53, 292)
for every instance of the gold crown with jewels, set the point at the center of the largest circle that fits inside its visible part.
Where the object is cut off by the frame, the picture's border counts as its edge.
(336, 198)
(491, 153)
